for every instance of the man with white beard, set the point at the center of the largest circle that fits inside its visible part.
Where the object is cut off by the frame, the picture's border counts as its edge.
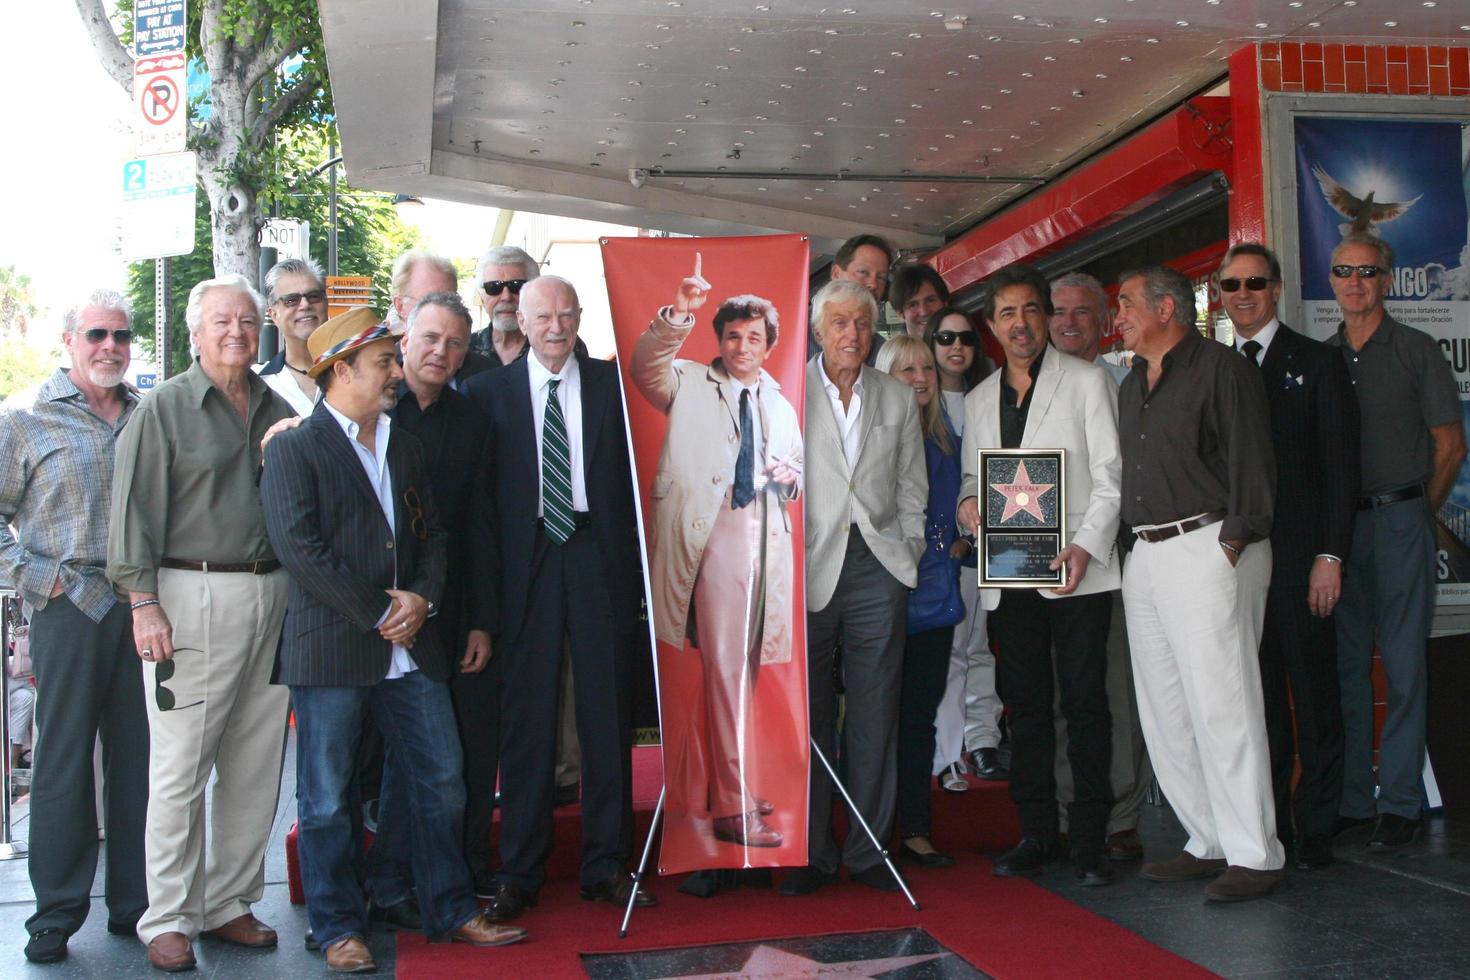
(503, 271)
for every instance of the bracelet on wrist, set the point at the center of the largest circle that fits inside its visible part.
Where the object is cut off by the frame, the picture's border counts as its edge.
(145, 602)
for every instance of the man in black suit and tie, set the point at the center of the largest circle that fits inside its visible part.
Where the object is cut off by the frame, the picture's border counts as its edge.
(351, 507)
(567, 573)
(1314, 428)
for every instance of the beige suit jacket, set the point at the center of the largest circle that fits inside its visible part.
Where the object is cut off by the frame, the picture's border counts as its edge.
(884, 494)
(1074, 407)
(696, 468)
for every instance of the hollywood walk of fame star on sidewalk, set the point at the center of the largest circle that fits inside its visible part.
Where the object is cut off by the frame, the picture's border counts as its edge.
(767, 961)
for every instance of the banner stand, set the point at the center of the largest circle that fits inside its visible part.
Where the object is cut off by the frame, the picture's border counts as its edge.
(852, 811)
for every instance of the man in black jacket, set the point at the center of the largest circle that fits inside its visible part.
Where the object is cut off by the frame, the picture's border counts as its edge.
(352, 509)
(1314, 428)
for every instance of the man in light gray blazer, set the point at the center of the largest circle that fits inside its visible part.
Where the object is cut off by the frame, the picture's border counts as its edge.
(1045, 399)
(867, 486)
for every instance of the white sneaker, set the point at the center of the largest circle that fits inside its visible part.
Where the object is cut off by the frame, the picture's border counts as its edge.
(952, 779)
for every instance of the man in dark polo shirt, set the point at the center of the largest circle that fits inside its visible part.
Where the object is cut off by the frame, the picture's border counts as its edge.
(1198, 479)
(1412, 444)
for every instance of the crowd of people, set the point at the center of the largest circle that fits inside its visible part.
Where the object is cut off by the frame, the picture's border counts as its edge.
(412, 536)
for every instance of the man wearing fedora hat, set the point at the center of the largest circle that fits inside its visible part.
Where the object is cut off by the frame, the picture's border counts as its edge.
(350, 509)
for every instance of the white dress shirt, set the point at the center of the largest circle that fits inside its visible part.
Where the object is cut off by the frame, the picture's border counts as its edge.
(284, 383)
(375, 465)
(1264, 336)
(847, 418)
(569, 393)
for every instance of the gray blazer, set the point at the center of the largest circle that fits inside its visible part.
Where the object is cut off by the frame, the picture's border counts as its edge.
(884, 494)
(327, 528)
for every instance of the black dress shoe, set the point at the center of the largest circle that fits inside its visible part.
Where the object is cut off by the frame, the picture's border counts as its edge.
(930, 859)
(615, 891)
(1313, 853)
(404, 915)
(47, 946)
(804, 881)
(876, 876)
(1392, 831)
(1092, 870)
(509, 902)
(566, 795)
(985, 763)
(1344, 824)
(1025, 860)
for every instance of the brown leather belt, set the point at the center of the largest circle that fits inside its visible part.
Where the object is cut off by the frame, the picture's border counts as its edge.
(1166, 531)
(262, 567)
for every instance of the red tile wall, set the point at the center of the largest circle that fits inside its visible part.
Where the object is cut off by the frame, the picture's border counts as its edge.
(1376, 69)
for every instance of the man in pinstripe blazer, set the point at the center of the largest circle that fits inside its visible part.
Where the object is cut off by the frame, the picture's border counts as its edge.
(348, 501)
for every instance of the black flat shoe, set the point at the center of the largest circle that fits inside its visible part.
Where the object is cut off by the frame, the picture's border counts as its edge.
(1392, 831)
(1092, 871)
(47, 946)
(804, 881)
(932, 859)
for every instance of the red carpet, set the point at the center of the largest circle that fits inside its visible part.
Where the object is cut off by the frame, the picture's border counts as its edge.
(1006, 927)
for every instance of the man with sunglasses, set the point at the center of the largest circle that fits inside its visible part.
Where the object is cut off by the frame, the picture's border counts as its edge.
(350, 507)
(1314, 430)
(54, 492)
(1412, 443)
(298, 305)
(504, 269)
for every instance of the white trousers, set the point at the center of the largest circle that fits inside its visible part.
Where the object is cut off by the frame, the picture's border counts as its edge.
(214, 713)
(1194, 628)
(969, 713)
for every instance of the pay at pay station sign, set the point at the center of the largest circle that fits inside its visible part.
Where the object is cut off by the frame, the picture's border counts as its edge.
(158, 206)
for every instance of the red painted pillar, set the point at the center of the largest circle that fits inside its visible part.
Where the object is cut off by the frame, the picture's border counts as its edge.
(1248, 190)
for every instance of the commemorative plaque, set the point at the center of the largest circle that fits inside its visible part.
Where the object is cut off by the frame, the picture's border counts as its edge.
(1023, 513)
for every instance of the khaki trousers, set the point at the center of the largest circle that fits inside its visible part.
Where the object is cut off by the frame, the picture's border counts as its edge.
(217, 714)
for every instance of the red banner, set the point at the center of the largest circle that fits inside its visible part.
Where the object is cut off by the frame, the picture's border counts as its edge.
(711, 337)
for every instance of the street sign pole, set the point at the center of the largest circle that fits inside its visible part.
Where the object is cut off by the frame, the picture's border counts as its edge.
(161, 316)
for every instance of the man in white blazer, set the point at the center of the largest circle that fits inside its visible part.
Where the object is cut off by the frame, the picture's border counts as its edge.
(1045, 399)
(866, 488)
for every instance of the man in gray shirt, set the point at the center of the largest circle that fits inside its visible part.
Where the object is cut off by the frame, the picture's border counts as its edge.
(1412, 442)
(54, 490)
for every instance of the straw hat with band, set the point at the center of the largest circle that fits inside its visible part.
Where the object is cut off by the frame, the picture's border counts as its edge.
(341, 335)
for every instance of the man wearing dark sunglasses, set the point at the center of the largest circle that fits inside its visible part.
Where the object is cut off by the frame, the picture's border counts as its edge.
(504, 269)
(349, 506)
(1412, 443)
(298, 305)
(1314, 430)
(54, 494)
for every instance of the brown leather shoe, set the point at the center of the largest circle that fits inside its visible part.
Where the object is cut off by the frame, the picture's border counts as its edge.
(480, 931)
(171, 953)
(1184, 867)
(1125, 846)
(749, 830)
(244, 930)
(1239, 884)
(350, 955)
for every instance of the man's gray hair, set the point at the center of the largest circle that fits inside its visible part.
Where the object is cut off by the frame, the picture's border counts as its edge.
(1384, 250)
(403, 267)
(1160, 281)
(194, 311)
(1081, 280)
(510, 255)
(107, 299)
(841, 291)
(290, 267)
(445, 301)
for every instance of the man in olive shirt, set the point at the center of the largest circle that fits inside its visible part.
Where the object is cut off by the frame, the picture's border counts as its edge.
(1412, 443)
(1199, 475)
(188, 544)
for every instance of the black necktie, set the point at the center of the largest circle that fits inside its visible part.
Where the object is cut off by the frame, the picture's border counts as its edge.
(744, 491)
(1250, 349)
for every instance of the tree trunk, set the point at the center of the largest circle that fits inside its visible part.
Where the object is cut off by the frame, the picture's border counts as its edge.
(232, 220)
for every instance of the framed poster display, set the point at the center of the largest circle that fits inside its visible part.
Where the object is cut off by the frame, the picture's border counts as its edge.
(1022, 517)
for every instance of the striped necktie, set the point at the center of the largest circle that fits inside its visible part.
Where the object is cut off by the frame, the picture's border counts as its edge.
(556, 470)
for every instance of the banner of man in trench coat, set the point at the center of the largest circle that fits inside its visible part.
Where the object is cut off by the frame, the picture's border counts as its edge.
(711, 338)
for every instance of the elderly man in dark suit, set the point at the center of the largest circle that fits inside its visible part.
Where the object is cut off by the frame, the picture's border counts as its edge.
(350, 509)
(567, 571)
(1314, 428)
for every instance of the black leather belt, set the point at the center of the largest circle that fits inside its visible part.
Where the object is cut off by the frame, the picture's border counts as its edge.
(580, 518)
(262, 567)
(1391, 497)
(1164, 532)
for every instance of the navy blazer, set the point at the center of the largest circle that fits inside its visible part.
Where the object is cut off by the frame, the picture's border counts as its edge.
(504, 396)
(328, 530)
(1314, 428)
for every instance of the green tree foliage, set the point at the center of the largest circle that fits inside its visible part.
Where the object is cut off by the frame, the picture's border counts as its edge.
(17, 303)
(369, 236)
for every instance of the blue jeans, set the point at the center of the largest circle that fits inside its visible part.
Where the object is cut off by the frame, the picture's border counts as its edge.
(417, 721)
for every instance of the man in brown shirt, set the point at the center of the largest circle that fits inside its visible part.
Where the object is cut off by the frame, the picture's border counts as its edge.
(1199, 475)
(188, 544)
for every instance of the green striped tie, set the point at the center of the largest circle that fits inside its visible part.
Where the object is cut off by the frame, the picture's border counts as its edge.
(556, 470)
